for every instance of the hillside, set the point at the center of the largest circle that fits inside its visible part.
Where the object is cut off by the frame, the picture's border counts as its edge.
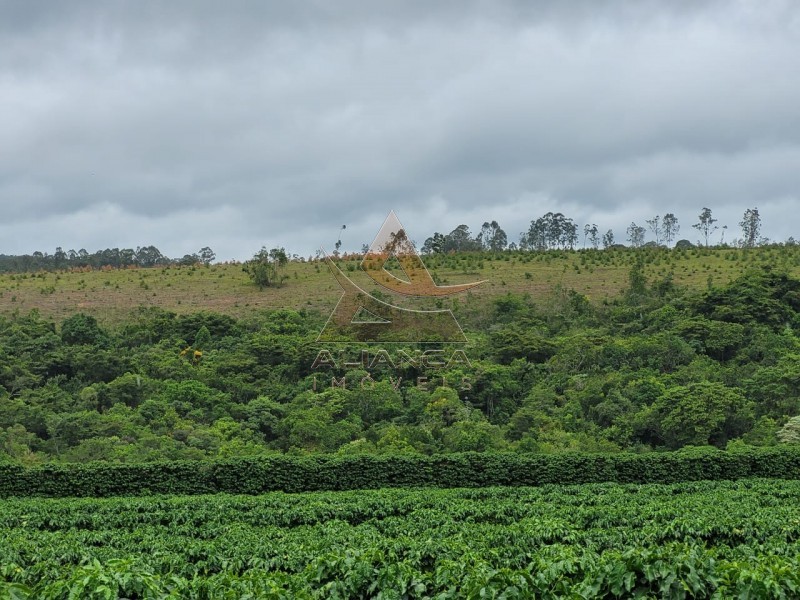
(593, 351)
(109, 295)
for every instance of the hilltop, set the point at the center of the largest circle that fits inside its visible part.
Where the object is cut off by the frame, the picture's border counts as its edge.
(600, 275)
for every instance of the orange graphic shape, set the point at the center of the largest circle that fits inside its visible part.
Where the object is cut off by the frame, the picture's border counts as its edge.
(392, 240)
(385, 323)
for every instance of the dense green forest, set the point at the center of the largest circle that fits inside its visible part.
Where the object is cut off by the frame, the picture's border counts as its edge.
(659, 367)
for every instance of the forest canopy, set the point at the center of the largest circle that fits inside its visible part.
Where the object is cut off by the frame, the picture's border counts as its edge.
(658, 368)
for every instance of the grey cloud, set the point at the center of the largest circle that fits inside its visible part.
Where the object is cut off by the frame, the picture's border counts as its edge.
(293, 118)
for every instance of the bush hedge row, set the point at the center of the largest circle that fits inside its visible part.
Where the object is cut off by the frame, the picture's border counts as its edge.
(325, 472)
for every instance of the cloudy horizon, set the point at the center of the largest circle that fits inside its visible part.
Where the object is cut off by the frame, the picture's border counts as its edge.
(236, 126)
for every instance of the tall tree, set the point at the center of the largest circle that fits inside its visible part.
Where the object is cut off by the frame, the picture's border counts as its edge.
(59, 258)
(636, 235)
(706, 224)
(207, 255)
(536, 238)
(553, 230)
(670, 227)
(591, 231)
(460, 240)
(433, 245)
(569, 236)
(608, 239)
(492, 237)
(656, 228)
(149, 256)
(751, 226)
(127, 256)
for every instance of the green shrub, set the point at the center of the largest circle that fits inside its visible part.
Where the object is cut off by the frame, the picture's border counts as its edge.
(329, 472)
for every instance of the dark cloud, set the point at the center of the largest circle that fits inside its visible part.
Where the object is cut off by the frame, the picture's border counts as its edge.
(183, 124)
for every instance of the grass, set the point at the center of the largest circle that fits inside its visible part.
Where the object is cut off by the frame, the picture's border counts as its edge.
(110, 295)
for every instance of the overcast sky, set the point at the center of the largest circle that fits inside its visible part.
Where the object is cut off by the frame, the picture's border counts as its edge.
(242, 124)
